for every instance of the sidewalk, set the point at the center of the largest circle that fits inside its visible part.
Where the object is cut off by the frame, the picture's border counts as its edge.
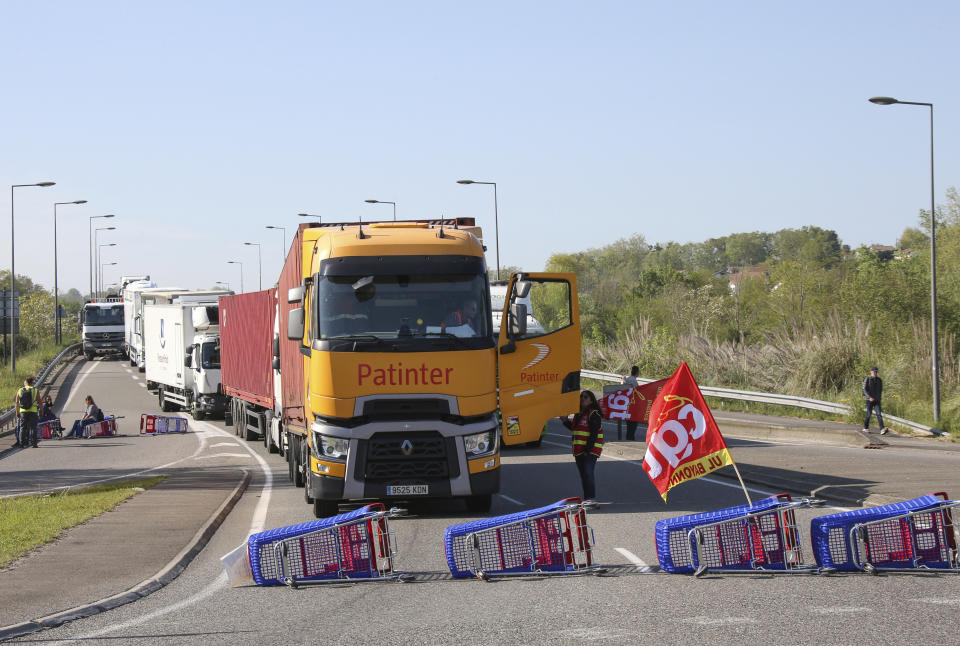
(120, 555)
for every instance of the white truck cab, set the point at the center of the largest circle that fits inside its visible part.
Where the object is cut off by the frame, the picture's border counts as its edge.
(101, 328)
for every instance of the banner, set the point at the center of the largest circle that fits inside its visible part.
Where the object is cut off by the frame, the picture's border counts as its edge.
(631, 404)
(683, 441)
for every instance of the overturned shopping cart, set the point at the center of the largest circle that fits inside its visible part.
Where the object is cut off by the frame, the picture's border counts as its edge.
(50, 429)
(762, 536)
(161, 425)
(555, 539)
(356, 546)
(106, 428)
(914, 535)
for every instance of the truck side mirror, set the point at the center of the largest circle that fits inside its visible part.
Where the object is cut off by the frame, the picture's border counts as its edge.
(295, 323)
(276, 346)
(518, 319)
(276, 363)
(521, 288)
(188, 361)
(295, 294)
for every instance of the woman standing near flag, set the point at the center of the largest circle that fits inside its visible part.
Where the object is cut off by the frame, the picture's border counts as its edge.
(587, 430)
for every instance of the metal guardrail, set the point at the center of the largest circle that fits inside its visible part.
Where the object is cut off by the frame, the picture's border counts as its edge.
(8, 415)
(770, 398)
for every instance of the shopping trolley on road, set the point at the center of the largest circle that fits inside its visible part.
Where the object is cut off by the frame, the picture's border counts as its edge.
(356, 546)
(106, 428)
(762, 536)
(49, 429)
(555, 539)
(914, 535)
(161, 425)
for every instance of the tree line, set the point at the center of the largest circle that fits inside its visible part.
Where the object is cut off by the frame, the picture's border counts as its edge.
(794, 311)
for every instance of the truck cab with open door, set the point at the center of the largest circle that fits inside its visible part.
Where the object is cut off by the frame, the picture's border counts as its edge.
(539, 366)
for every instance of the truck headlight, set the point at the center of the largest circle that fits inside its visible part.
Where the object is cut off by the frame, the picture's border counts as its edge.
(480, 443)
(330, 448)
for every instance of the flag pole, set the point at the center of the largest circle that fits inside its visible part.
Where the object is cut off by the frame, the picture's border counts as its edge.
(740, 478)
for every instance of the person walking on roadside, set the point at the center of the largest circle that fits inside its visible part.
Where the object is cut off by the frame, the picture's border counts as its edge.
(873, 392)
(587, 430)
(25, 404)
(631, 381)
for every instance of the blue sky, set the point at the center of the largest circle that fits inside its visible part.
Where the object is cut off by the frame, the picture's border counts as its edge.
(199, 123)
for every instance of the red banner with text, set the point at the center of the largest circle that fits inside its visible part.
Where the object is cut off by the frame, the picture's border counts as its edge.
(683, 441)
(631, 404)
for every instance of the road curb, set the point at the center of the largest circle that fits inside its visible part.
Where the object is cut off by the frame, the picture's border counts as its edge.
(167, 574)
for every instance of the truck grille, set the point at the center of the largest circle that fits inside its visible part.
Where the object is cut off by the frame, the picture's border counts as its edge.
(105, 336)
(408, 455)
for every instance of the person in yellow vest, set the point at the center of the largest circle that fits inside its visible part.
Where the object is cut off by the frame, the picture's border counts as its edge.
(587, 429)
(26, 405)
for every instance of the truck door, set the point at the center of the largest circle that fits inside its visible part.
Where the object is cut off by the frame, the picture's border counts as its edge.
(538, 353)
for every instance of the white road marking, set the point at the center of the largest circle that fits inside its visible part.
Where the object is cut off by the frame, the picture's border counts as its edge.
(705, 620)
(509, 499)
(76, 386)
(223, 455)
(840, 610)
(938, 601)
(635, 560)
(256, 525)
(134, 377)
(142, 384)
(224, 444)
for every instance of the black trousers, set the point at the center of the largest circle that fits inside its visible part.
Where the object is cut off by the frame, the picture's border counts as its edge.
(587, 465)
(631, 431)
(28, 429)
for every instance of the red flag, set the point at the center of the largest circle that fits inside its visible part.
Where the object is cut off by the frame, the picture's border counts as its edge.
(632, 403)
(683, 441)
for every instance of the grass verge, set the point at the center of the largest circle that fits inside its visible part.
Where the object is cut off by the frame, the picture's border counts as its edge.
(28, 365)
(27, 522)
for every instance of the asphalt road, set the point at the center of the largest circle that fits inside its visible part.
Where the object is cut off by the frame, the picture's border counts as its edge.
(630, 605)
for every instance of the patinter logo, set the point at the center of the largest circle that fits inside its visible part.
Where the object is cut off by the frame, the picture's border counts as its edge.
(398, 375)
(538, 377)
(542, 351)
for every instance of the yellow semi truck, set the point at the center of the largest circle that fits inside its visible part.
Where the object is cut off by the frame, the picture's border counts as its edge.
(406, 391)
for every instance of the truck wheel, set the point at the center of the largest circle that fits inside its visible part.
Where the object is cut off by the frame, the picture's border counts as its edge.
(198, 414)
(228, 415)
(266, 438)
(480, 504)
(306, 494)
(290, 454)
(325, 508)
(271, 447)
(88, 355)
(165, 406)
(298, 465)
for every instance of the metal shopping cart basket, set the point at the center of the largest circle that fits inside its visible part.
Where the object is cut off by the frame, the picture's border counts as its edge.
(356, 546)
(106, 428)
(49, 429)
(918, 534)
(161, 425)
(762, 536)
(555, 539)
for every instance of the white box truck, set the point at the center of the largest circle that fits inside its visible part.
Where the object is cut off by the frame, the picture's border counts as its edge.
(159, 295)
(131, 307)
(182, 357)
(101, 328)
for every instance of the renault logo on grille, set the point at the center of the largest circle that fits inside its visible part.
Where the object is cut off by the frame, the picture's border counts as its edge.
(406, 447)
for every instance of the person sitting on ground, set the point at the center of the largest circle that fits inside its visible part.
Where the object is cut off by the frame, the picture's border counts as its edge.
(46, 409)
(91, 415)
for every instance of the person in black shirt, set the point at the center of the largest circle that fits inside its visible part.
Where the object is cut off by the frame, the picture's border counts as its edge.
(873, 392)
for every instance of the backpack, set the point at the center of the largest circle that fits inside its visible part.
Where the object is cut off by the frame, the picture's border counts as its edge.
(26, 398)
(99, 414)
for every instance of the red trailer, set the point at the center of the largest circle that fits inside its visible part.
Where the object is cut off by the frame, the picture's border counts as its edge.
(246, 362)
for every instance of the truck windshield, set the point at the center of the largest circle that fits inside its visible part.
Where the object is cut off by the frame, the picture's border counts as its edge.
(112, 315)
(210, 355)
(376, 307)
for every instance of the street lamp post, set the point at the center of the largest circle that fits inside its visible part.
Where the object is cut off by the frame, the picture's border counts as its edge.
(886, 100)
(102, 265)
(284, 229)
(99, 277)
(96, 258)
(225, 284)
(13, 274)
(237, 262)
(385, 202)
(259, 263)
(310, 215)
(90, 243)
(57, 335)
(496, 223)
